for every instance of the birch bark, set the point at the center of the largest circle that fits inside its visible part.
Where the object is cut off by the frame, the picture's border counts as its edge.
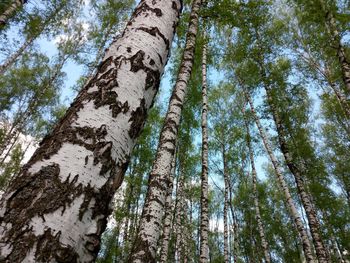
(297, 171)
(145, 246)
(226, 202)
(57, 208)
(261, 229)
(168, 217)
(13, 58)
(307, 248)
(341, 55)
(10, 11)
(204, 223)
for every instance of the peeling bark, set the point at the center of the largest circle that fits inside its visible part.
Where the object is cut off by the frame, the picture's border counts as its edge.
(145, 246)
(204, 219)
(307, 248)
(261, 228)
(56, 209)
(10, 11)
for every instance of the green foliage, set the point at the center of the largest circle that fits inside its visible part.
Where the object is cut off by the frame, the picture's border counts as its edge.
(10, 167)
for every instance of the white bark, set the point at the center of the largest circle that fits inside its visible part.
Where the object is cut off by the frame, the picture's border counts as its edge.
(9, 12)
(226, 204)
(145, 246)
(57, 208)
(261, 228)
(168, 217)
(204, 223)
(307, 248)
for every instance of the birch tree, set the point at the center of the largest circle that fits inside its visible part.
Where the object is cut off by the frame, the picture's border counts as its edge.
(56, 208)
(9, 11)
(144, 249)
(204, 225)
(261, 229)
(284, 187)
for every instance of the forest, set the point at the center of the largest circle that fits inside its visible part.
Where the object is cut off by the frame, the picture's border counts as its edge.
(175, 131)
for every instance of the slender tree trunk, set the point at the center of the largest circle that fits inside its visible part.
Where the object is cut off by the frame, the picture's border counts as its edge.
(13, 58)
(261, 229)
(311, 214)
(57, 208)
(307, 248)
(341, 55)
(10, 11)
(226, 202)
(204, 219)
(21, 117)
(342, 101)
(30, 38)
(179, 248)
(168, 217)
(145, 246)
(234, 225)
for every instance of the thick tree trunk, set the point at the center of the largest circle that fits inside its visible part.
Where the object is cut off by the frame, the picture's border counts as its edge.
(10, 11)
(204, 219)
(145, 246)
(307, 248)
(226, 203)
(163, 258)
(296, 170)
(261, 229)
(57, 208)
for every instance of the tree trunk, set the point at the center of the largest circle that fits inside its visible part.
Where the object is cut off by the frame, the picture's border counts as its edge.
(13, 58)
(307, 248)
(261, 229)
(57, 208)
(145, 246)
(204, 220)
(178, 219)
(341, 55)
(10, 11)
(30, 38)
(296, 170)
(22, 116)
(226, 202)
(234, 225)
(168, 217)
(342, 102)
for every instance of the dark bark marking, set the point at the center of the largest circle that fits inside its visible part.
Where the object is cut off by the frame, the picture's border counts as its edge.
(154, 31)
(137, 120)
(160, 58)
(105, 64)
(137, 61)
(144, 7)
(174, 5)
(47, 183)
(49, 247)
